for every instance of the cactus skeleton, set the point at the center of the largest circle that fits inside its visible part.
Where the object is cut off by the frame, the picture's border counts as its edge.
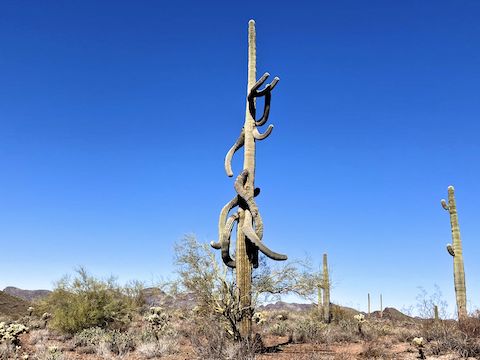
(455, 250)
(247, 216)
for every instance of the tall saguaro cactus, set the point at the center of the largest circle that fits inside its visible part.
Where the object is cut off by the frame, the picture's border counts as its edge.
(326, 290)
(247, 217)
(455, 250)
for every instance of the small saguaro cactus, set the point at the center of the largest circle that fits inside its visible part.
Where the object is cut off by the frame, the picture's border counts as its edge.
(381, 306)
(368, 304)
(455, 250)
(247, 217)
(435, 313)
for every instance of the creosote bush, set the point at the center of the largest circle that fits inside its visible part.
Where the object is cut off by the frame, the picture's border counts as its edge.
(84, 302)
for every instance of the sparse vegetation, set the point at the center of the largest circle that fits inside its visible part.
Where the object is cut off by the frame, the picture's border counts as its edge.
(84, 302)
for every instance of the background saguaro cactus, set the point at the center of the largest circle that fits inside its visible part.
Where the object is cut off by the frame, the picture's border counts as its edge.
(381, 306)
(326, 290)
(455, 249)
(368, 304)
(247, 217)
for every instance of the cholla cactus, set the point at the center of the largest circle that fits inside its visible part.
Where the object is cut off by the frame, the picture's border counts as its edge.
(419, 342)
(455, 250)
(360, 320)
(259, 318)
(30, 310)
(54, 353)
(46, 317)
(10, 333)
(158, 320)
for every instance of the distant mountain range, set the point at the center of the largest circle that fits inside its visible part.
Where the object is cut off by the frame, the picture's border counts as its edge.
(12, 306)
(27, 295)
(14, 302)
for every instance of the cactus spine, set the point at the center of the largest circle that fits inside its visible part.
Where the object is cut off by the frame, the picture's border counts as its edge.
(247, 217)
(455, 250)
(326, 290)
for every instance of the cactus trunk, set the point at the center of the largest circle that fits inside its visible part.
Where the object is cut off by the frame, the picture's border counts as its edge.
(435, 313)
(244, 266)
(326, 290)
(456, 251)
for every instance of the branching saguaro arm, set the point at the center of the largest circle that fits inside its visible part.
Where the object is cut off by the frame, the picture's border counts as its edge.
(242, 210)
(455, 249)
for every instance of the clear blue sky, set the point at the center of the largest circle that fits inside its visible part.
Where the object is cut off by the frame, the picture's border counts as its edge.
(115, 117)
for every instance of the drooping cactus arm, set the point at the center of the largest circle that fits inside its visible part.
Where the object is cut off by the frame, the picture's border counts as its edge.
(259, 136)
(444, 205)
(222, 220)
(266, 110)
(227, 232)
(252, 236)
(450, 249)
(228, 158)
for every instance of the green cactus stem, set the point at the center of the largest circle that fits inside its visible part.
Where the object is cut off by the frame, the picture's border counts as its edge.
(435, 313)
(455, 250)
(246, 215)
(326, 290)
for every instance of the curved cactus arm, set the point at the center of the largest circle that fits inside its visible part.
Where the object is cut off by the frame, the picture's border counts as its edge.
(228, 158)
(227, 259)
(266, 110)
(254, 92)
(259, 136)
(450, 249)
(239, 183)
(252, 236)
(444, 205)
(259, 83)
(222, 220)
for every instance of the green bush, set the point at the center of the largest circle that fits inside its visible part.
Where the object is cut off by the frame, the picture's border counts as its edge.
(84, 302)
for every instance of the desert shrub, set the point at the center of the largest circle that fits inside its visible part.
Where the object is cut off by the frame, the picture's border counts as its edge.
(159, 348)
(309, 330)
(281, 328)
(113, 341)
(116, 341)
(214, 289)
(375, 350)
(84, 302)
(447, 336)
(471, 326)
